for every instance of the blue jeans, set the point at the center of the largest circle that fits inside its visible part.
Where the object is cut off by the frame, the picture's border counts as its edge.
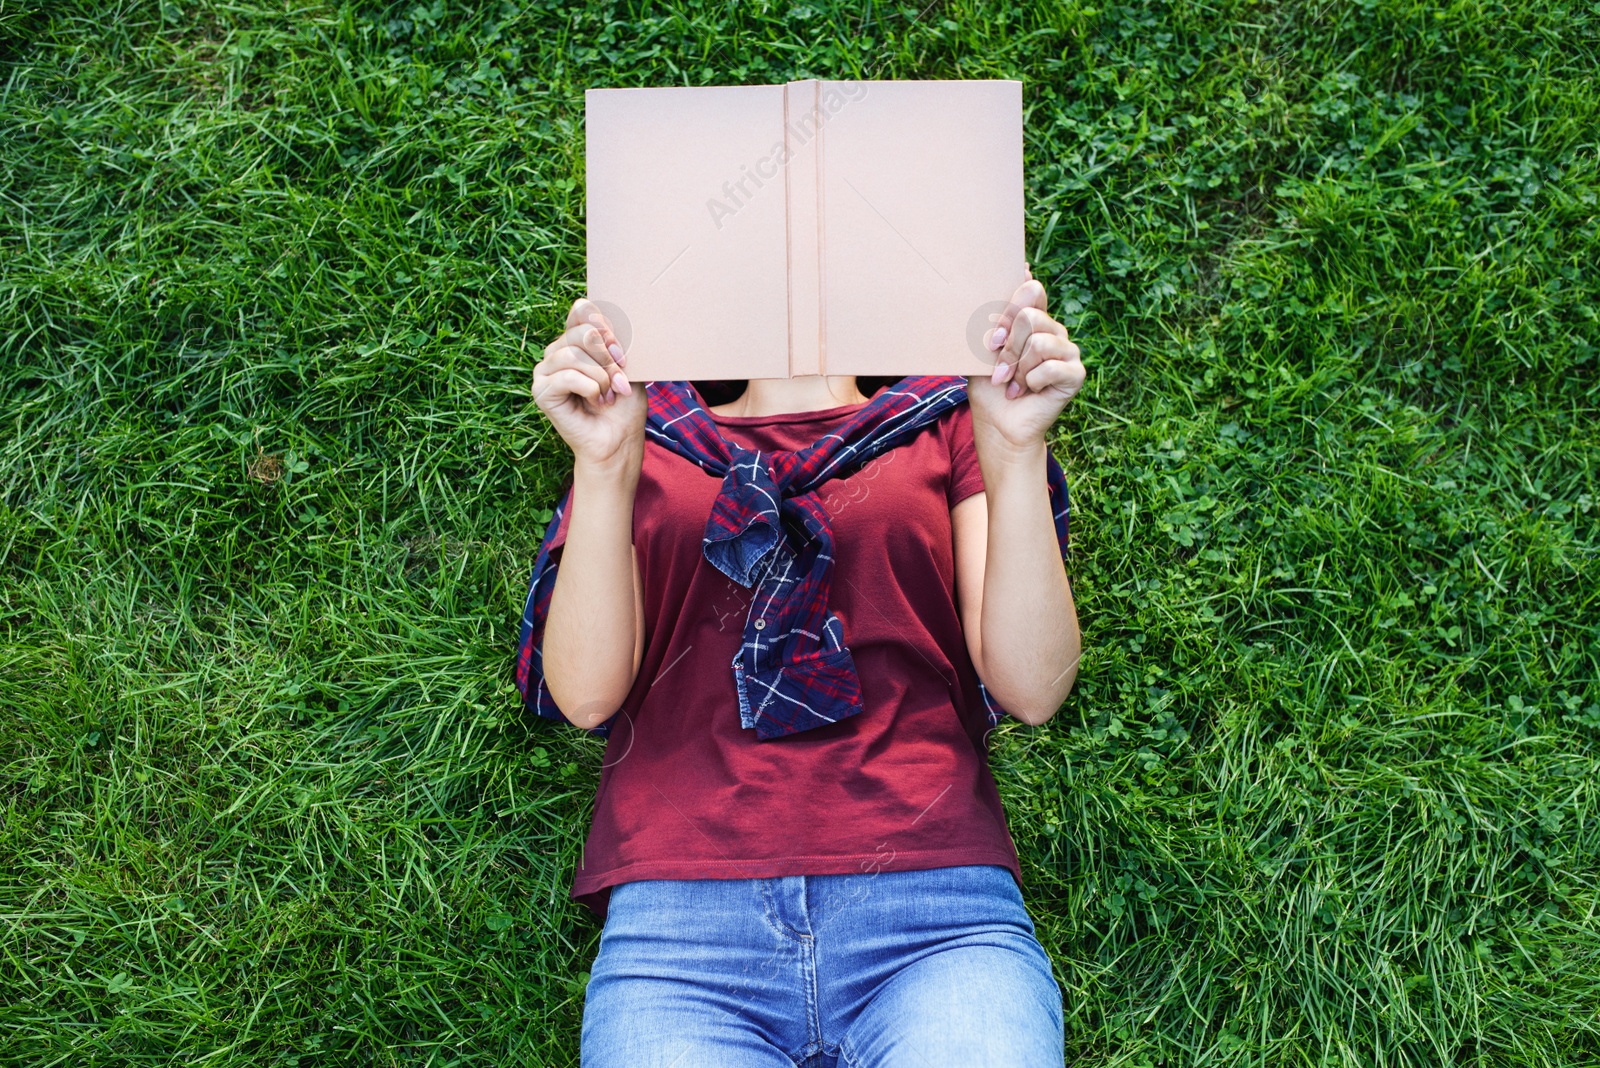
(921, 969)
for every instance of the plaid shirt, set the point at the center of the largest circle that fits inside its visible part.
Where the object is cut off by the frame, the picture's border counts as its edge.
(769, 529)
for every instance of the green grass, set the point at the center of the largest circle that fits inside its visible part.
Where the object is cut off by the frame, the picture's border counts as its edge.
(272, 279)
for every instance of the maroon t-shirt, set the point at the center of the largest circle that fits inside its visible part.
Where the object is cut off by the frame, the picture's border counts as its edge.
(687, 793)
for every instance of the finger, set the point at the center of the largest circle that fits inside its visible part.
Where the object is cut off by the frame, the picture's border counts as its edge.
(1044, 344)
(599, 339)
(565, 383)
(1067, 375)
(591, 340)
(1029, 294)
(586, 312)
(1015, 344)
(570, 356)
(1048, 358)
(1028, 322)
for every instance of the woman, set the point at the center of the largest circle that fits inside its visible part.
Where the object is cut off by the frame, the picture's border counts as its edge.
(803, 860)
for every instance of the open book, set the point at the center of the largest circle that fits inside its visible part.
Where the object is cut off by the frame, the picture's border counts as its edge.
(818, 227)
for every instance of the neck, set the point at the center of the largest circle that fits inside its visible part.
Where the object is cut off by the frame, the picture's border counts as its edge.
(784, 396)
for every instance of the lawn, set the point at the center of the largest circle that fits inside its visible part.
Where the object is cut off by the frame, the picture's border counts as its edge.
(273, 277)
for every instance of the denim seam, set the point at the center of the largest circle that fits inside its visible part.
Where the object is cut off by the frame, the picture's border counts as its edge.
(808, 967)
(775, 921)
(818, 1045)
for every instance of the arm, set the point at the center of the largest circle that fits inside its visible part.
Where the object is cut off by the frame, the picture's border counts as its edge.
(594, 632)
(1016, 602)
(594, 635)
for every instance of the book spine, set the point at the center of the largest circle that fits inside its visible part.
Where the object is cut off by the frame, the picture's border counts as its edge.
(802, 140)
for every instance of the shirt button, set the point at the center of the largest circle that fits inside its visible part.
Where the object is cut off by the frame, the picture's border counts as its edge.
(761, 624)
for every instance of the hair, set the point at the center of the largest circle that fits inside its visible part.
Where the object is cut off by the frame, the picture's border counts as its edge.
(725, 390)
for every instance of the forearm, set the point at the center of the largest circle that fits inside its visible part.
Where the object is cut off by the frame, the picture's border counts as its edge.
(589, 635)
(1029, 625)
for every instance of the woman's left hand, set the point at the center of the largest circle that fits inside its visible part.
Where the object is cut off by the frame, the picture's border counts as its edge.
(1037, 371)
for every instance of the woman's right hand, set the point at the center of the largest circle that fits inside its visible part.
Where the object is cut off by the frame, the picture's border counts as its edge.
(580, 386)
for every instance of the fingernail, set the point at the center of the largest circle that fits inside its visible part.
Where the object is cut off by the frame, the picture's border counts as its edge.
(997, 339)
(1013, 390)
(607, 397)
(1006, 371)
(998, 375)
(621, 357)
(620, 381)
(615, 350)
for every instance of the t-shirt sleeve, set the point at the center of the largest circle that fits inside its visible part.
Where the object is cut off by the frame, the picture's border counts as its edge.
(965, 476)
